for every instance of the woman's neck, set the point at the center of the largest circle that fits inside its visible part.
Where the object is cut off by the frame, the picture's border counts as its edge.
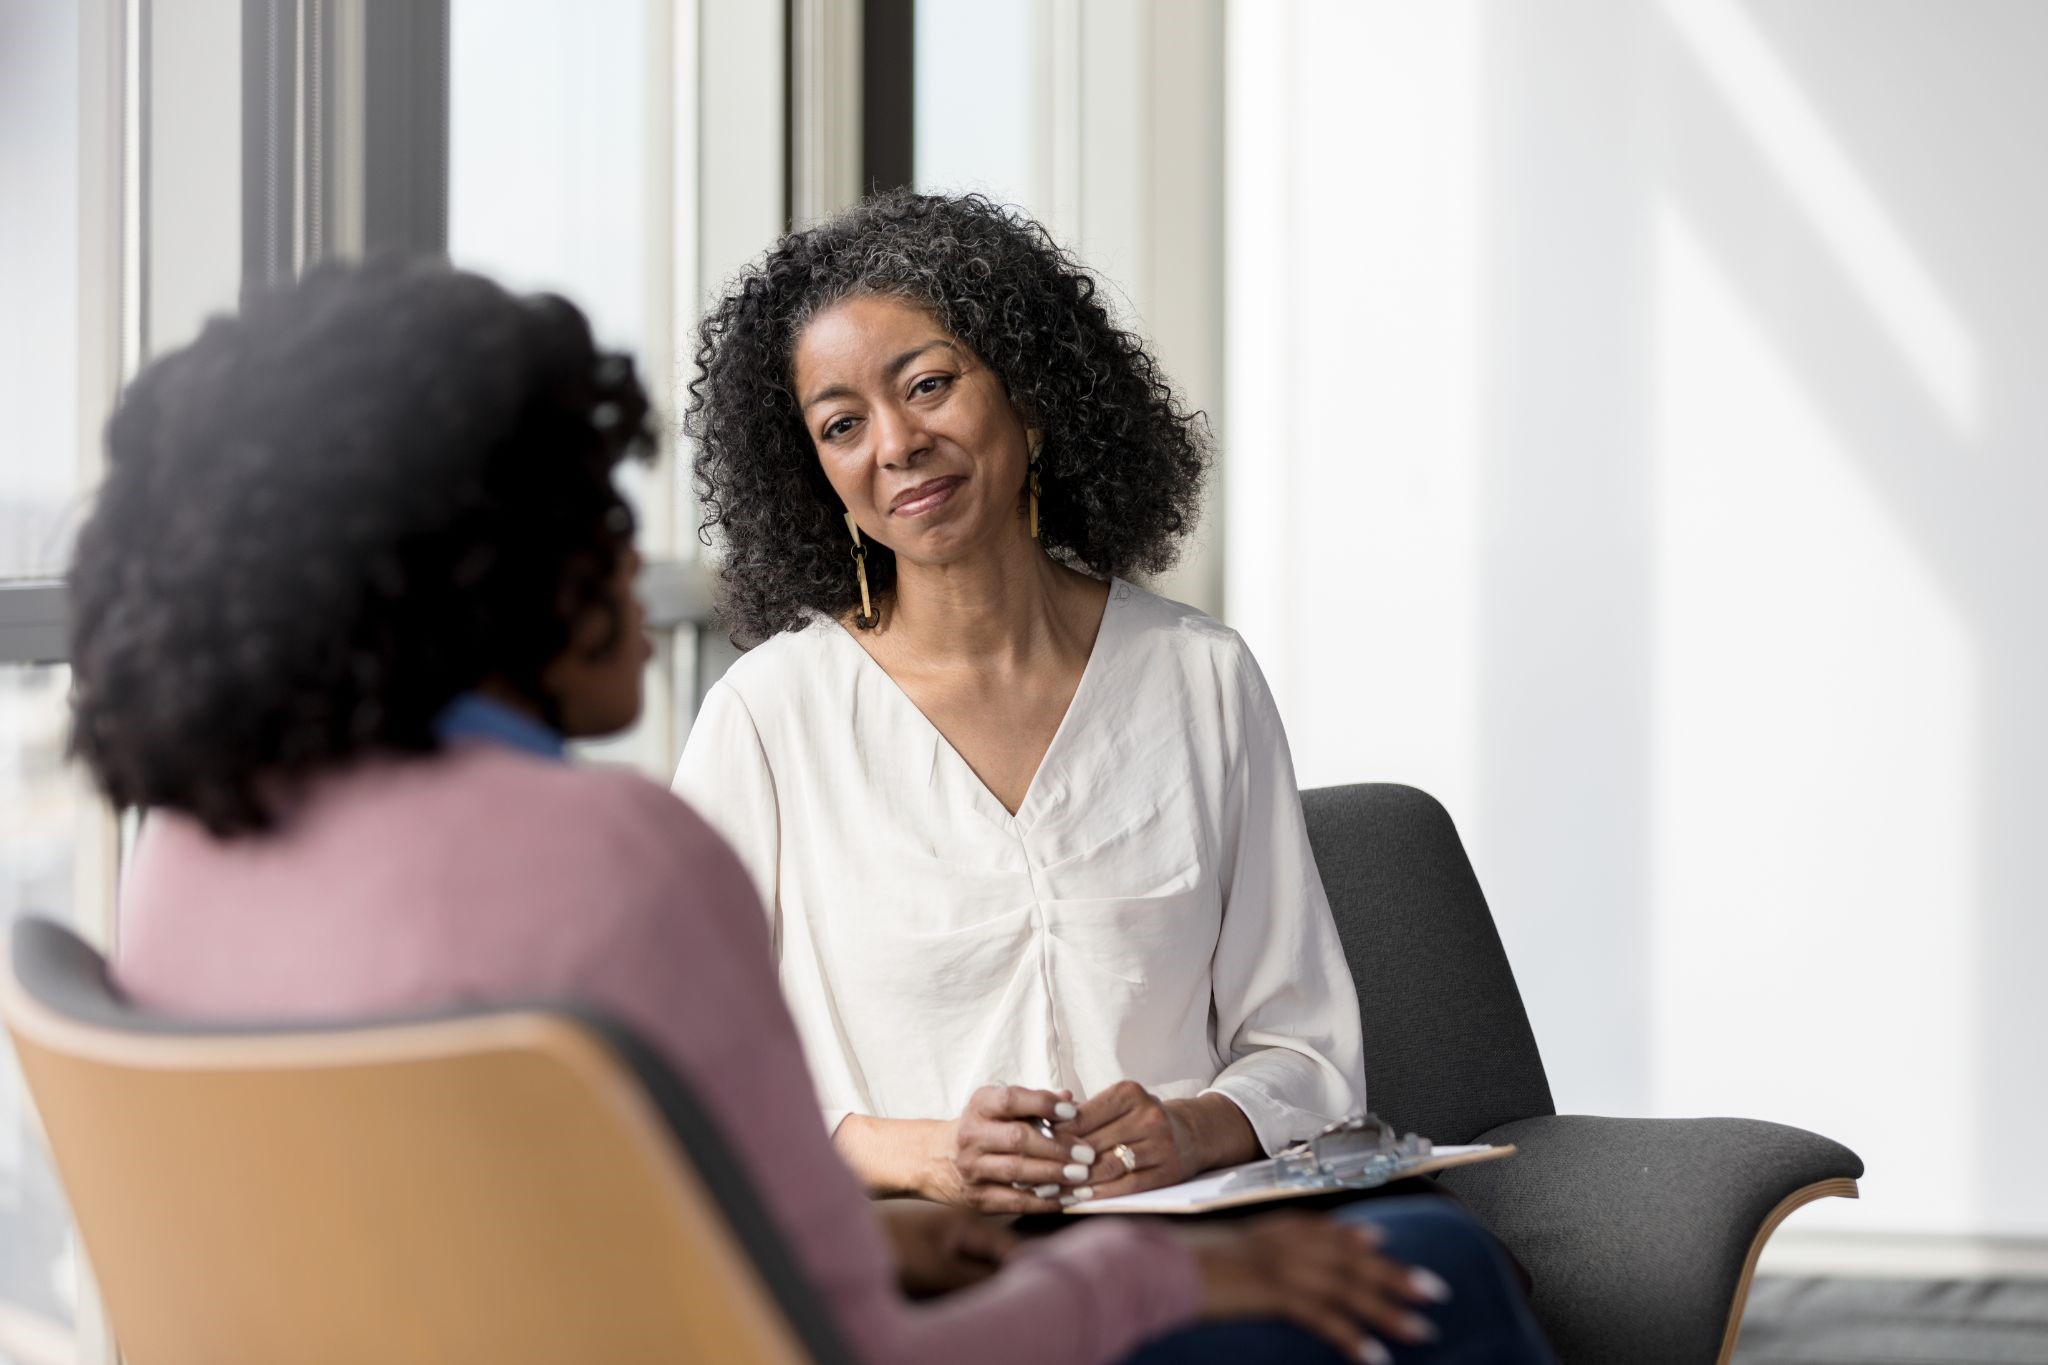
(1003, 609)
(511, 698)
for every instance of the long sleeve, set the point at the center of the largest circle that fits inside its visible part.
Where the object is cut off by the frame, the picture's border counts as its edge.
(1286, 1011)
(1091, 1294)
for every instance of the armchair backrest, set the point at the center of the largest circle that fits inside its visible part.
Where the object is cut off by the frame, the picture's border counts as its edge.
(506, 1184)
(1448, 1049)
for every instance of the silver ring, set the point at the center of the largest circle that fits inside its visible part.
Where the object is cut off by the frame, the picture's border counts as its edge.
(1124, 1154)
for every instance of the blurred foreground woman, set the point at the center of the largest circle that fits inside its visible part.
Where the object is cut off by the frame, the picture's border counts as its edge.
(358, 570)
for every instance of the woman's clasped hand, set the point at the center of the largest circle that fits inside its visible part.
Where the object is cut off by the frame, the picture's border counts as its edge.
(1014, 1149)
(1167, 1141)
(997, 1156)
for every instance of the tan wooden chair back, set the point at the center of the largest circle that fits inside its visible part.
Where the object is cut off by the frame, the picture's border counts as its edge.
(494, 1188)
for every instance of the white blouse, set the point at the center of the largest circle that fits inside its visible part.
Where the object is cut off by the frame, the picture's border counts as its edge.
(1151, 912)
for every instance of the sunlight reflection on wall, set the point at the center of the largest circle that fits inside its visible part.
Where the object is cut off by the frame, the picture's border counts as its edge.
(1651, 470)
(1815, 716)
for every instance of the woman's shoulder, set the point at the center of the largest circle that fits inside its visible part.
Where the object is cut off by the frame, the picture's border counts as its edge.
(636, 846)
(1164, 630)
(782, 668)
(614, 816)
(475, 813)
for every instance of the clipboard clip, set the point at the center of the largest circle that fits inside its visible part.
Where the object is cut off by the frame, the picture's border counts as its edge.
(1356, 1150)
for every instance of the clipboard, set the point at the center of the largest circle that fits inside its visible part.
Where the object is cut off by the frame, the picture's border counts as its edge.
(1260, 1182)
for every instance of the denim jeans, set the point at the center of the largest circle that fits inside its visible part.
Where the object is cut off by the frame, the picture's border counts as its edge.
(1485, 1323)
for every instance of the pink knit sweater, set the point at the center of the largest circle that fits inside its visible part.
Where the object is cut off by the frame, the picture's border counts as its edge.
(484, 873)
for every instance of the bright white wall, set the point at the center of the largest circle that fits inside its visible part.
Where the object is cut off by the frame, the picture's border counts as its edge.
(1635, 431)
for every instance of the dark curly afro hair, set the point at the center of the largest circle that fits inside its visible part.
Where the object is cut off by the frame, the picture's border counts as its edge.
(328, 516)
(1122, 464)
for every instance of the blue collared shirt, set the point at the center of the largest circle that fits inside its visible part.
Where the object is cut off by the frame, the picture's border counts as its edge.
(472, 715)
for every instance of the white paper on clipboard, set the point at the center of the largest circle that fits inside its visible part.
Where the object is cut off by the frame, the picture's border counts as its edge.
(1253, 1183)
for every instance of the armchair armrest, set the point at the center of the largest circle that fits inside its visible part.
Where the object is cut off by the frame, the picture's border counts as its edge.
(1641, 1234)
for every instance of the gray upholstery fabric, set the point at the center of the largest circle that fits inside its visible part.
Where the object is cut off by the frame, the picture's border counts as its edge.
(1635, 1230)
(1448, 1051)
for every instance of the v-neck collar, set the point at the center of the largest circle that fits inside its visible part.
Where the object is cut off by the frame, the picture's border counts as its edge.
(1118, 590)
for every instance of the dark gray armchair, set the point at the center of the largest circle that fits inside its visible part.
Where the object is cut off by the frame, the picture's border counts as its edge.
(1641, 1234)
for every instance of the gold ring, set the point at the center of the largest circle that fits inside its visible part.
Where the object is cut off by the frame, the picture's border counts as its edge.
(1127, 1156)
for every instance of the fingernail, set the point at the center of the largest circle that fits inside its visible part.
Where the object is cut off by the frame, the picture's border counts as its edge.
(1075, 1173)
(1068, 1199)
(1065, 1111)
(1374, 1354)
(1083, 1192)
(1084, 1154)
(1430, 1285)
(1415, 1327)
(1045, 1191)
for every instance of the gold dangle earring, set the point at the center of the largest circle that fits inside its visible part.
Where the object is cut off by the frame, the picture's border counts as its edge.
(1036, 439)
(860, 567)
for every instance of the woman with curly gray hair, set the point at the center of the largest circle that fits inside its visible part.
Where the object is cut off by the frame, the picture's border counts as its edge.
(1016, 818)
(1040, 892)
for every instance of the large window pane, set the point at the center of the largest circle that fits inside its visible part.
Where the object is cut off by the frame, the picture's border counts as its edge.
(979, 109)
(548, 158)
(548, 152)
(551, 185)
(39, 262)
(41, 809)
